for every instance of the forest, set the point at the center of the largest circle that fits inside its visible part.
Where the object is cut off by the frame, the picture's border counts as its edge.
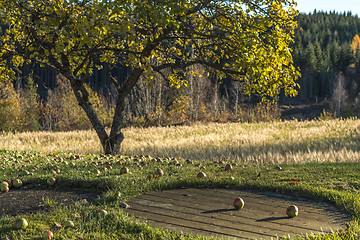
(326, 50)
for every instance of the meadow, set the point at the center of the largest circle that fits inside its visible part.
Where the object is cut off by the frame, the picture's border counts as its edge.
(318, 160)
(251, 143)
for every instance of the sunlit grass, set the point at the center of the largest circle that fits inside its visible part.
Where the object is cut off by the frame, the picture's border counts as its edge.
(332, 147)
(256, 143)
(336, 183)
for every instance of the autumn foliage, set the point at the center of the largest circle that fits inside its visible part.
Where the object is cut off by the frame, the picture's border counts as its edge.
(247, 41)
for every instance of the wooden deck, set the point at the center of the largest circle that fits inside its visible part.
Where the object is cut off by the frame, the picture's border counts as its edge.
(209, 212)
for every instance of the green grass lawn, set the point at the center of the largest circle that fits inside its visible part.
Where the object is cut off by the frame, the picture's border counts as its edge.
(336, 183)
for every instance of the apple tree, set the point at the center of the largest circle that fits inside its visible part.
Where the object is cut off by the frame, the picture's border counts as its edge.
(246, 40)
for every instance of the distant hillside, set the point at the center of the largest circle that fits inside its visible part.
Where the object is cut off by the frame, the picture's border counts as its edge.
(324, 47)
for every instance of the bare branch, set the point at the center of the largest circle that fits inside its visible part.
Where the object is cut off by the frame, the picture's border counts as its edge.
(114, 81)
(211, 65)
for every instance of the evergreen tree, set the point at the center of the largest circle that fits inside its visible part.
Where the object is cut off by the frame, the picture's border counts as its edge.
(29, 102)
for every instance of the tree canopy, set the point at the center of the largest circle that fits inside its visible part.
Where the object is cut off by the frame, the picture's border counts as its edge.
(247, 41)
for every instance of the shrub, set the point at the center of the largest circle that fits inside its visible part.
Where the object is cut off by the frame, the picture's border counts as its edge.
(10, 109)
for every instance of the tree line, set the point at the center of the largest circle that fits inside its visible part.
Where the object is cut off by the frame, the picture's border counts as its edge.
(326, 49)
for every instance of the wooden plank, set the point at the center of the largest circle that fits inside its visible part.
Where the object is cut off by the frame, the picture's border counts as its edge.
(260, 213)
(195, 227)
(208, 223)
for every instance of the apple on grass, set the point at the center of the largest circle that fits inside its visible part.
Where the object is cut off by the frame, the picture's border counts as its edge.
(238, 203)
(159, 172)
(124, 170)
(4, 188)
(292, 211)
(201, 175)
(20, 223)
(51, 181)
(17, 183)
(9, 182)
(48, 235)
(228, 167)
(4, 185)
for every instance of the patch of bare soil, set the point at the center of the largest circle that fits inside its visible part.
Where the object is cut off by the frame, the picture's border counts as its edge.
(32, 200)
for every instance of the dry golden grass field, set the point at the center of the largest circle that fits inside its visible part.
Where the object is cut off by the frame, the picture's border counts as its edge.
(252, 143)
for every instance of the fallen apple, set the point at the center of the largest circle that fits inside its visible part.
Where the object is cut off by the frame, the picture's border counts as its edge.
(4, 183)
(228, 167)
(69, 224)
(17, 183)
(20, 223)
(238, 203)
(159, 172)
(51, 181)
(292, 211)
(201, 175)
(124, 170)
(47, 235)
(9, 182)
(4, 188)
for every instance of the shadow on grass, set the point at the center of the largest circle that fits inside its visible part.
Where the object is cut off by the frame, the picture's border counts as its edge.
(31, 200)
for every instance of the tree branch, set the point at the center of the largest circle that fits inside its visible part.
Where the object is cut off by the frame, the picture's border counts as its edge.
(214, 66)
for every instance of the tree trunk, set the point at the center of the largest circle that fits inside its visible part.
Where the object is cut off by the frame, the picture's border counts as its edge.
(111, 144)
(82, 97)
(116, 136)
